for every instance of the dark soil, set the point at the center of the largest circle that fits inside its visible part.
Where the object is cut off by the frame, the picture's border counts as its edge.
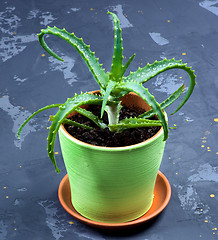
(106, 138)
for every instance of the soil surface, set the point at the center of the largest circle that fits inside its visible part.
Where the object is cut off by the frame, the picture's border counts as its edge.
(106, 138)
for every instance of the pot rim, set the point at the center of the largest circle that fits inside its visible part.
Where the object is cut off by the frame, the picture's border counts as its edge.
(117, 149)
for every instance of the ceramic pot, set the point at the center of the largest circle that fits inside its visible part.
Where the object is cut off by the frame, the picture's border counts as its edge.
(112, 184)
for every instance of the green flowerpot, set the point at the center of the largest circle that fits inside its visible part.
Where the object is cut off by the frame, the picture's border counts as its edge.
(112, 184)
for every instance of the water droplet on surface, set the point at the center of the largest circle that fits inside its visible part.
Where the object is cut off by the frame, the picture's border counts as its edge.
(62, 107)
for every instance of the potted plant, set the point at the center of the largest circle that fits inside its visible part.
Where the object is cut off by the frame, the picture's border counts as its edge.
(112, 183)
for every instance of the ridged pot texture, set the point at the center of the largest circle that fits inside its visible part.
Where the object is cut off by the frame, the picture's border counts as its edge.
(112, 184)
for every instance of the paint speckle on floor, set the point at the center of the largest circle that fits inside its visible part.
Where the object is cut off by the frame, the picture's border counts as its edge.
(190, 200)
(205, 172)
(52, 220)
(157, 38)
(12, 46)
(22, 189)
(19, 80)
(65, 68)
(167, 83)
(18, 116)
(75, 9)
(210, 5)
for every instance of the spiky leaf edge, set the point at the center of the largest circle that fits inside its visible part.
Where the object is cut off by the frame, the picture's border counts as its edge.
(34, 114)
(91, 116)
(134, 123)
(70, 105)
(150, 100)
(143, 75)
(84, 50)
(109, 89)
(117, 63)
(173, 97)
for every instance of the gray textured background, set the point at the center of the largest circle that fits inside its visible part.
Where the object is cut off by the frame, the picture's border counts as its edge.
(30, 79)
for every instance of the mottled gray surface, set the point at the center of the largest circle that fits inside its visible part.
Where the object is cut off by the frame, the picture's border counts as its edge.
(30, 79)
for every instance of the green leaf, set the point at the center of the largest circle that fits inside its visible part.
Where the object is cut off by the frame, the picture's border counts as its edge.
(91, 116)
(73, 123)
(35, 113)
(143, 75)
(134, 123)
(84, 50)
(70, 105)
(117, 62)
(165, 103)
(109, 88)
(144, 94)
(124, 68)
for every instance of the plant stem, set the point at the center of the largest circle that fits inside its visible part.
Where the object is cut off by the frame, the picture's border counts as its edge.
(113, 112)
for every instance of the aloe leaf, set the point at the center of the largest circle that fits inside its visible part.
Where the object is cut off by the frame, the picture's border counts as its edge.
(76, 124)
(144, 94)
(134, 123)
(109, 88)
(35, 113)
(143, 75)
(124, 68)
(117, 62)
(91, 116)
(70, 105)
(84, 50)
(73, 123)
(165, 103)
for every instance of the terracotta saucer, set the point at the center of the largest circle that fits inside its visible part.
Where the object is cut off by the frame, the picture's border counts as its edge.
(162, 194)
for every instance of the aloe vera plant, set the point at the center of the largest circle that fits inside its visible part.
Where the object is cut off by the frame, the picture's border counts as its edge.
(113, 86)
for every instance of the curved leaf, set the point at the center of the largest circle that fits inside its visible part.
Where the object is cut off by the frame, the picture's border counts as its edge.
(30, 117)
(143, 75)
(165, 103)
(73, 123)
(84, 50)
(91, 116)
(70, 105)
(144, 94)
